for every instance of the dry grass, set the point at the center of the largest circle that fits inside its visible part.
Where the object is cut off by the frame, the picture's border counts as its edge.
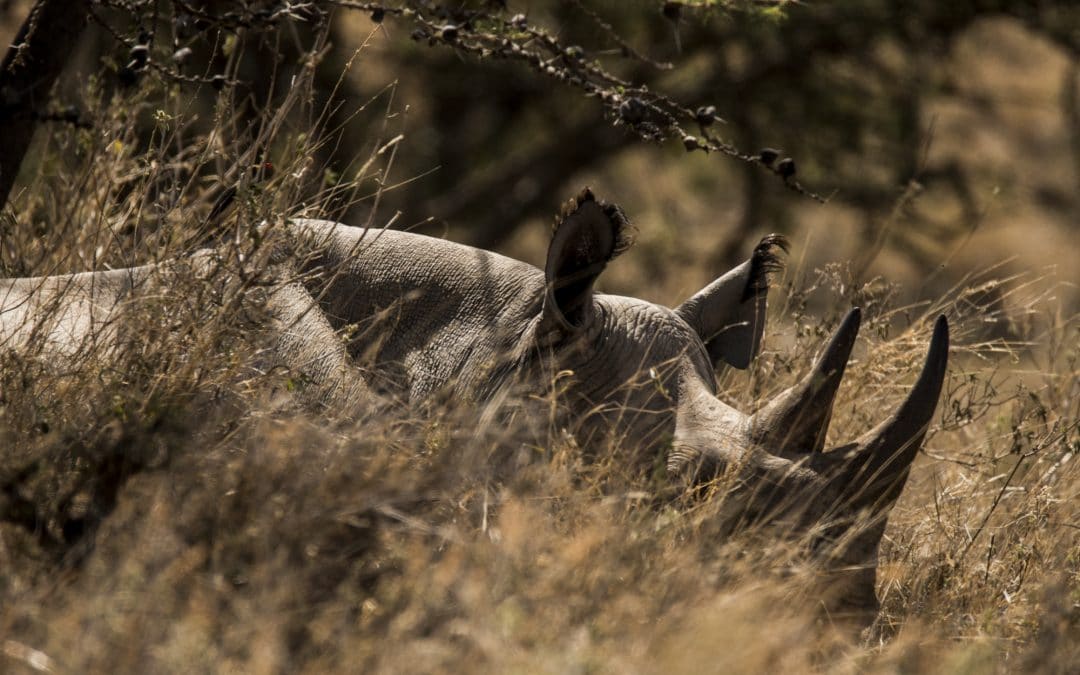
(174, 509)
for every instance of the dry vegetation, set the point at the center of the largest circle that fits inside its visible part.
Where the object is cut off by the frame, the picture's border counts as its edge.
(175, 509)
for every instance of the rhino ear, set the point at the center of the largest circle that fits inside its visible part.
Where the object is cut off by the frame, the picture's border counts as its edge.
(588, 234)
(729, 313)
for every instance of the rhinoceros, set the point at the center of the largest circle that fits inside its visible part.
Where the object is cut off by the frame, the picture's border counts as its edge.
(425, 316)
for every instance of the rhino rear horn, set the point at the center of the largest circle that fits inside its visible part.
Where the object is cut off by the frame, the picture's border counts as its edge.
(588, 235)
(880, 460)
(797, 420)
(729, 313)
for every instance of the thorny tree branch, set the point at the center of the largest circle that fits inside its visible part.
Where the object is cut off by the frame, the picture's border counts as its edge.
(650, 115)
(486, 32)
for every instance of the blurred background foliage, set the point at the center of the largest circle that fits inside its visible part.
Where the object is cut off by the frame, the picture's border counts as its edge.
(945, 137)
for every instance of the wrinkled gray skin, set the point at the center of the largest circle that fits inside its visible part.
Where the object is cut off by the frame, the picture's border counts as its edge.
(429, 316)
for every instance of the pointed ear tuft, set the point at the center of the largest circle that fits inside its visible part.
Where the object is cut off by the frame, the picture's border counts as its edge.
(588, 234)
(764, 262)
(623, 231)
(729, 313)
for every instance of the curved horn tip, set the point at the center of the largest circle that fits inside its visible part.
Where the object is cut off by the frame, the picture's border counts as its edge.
(939, 343)
(849, 327)
(837, 352)
(927, 387)
(941, 327)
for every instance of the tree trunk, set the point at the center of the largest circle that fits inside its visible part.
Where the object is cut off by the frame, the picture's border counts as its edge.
(31, 66)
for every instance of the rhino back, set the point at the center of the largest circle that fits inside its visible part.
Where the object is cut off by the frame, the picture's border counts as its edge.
(60, 313)
(432, 314)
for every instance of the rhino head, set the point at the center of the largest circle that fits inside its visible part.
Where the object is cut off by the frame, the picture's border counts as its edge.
(648, 372)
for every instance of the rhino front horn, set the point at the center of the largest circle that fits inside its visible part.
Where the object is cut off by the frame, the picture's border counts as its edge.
(882, 457)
